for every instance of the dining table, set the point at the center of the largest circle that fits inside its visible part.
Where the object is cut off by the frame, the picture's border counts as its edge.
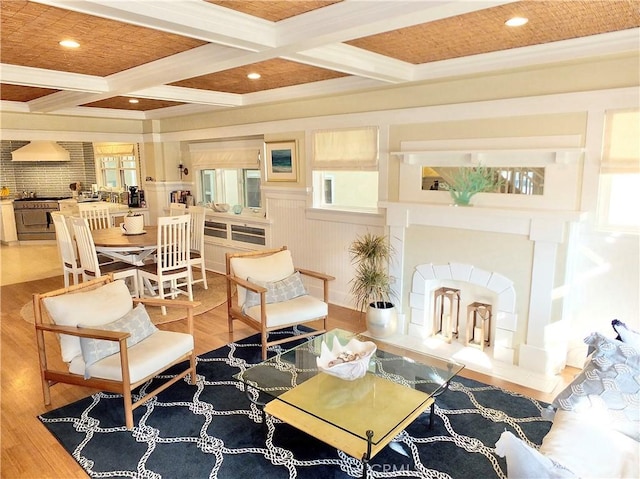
(131, 248)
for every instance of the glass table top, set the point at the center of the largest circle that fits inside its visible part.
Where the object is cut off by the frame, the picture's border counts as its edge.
(398, 382)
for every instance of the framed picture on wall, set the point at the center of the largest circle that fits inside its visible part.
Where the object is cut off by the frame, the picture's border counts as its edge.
(282, 161)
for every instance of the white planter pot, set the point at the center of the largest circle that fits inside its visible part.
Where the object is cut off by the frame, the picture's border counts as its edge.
(382, 319)
(133, 225)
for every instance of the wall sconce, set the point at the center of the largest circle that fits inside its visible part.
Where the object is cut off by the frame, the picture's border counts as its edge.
(446, 313)
(183, 170)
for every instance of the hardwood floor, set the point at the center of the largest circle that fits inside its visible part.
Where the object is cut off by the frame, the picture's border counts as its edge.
(28, 449)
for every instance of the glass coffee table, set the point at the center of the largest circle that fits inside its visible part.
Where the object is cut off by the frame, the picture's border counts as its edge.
(359, 417)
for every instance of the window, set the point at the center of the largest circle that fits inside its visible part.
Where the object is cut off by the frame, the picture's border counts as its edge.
(117, 164)
(347, 189)
(232, 186)
(328, 189)
(620, 173)
(208, 181)
(228, 172)
(251, 188)
(345, 168)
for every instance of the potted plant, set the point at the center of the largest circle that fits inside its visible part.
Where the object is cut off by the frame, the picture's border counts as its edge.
(371, 285)
(466, 182)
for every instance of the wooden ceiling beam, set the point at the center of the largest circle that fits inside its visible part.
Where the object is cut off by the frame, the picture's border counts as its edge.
(356, 61)
(349, 20)
(42, 78)
(189, 95)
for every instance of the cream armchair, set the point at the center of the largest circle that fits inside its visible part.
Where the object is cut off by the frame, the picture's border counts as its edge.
(108, 341)
(266, 292)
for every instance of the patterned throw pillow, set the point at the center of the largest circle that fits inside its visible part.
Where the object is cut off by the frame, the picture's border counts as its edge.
(136, 322)
(277, 291)
(613, 374)
(626, 334)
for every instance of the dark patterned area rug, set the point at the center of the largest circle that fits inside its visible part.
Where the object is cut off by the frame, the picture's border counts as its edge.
(212, 431)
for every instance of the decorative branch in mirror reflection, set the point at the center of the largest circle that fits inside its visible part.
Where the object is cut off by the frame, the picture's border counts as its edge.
(467, 182)
(515, 180)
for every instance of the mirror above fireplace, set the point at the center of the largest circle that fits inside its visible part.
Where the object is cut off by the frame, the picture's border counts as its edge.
(516, 180)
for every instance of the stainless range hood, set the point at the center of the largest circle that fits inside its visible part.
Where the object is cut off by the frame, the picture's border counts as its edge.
(40, 151)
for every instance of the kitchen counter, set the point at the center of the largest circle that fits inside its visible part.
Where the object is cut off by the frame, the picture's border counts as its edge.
(72, 204)
(69, 207)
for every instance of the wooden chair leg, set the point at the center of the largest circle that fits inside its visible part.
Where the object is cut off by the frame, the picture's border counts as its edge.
(42, 356)
(192, 361)
(46, 392)
(163, 309)
(128, 409)
(264, 336)
(204, 275)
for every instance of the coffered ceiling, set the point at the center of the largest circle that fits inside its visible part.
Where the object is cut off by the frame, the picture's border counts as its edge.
(177, 57)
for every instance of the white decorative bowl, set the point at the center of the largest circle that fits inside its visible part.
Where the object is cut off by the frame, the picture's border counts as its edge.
(221, 207)
(338, 361)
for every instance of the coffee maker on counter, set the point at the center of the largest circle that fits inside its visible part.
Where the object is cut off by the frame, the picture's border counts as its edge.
(136, 197)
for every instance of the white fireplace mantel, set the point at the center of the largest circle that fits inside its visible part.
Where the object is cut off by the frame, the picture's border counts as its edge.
(527, 222)
(547, 229)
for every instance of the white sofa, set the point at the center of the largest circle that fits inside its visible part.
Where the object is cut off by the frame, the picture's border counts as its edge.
(596, 426)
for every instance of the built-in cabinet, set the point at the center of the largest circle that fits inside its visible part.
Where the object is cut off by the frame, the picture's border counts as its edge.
(226, 232)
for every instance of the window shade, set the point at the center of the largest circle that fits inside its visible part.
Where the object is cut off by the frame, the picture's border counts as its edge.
(621, 152)
(230, 159)
(114, 149)
(350, 149)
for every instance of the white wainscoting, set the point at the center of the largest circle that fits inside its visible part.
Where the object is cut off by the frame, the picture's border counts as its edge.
(320, 245)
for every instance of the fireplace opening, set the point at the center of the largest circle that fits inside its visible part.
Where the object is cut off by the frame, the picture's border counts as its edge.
(455, 307)
(465, 306)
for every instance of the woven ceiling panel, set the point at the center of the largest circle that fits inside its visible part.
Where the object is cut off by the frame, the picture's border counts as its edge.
(23, 93)
(275, 73)
(122, 103)
(30, 33)
(484, 31)
(273, 11)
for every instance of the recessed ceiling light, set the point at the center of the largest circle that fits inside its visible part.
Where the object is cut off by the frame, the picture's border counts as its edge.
(253, 76)
(516, 21)
(134, 100)
(69, 44)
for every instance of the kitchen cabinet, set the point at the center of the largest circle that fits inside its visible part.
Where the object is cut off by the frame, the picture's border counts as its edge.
(68, 207)
(8, 233)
